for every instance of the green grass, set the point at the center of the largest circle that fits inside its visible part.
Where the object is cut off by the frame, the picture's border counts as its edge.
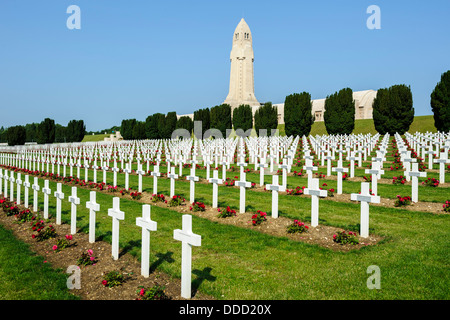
(23, 274)
(95, 137)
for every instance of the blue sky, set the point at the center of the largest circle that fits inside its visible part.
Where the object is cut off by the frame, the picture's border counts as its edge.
(133, 58)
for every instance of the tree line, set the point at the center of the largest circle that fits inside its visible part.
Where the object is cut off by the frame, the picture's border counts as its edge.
(46, 131)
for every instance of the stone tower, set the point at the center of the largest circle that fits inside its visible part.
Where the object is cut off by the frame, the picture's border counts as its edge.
(242, 88)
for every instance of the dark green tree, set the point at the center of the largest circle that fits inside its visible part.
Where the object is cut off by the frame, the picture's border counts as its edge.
(266, 117)
(339, 115)
(16, 135)
(203, 115)
(31, 129)
(170, 125)
(298, 117)
(185, 122)
(393, 109)
(139, 130)
(152, 125)
(221, 118)
(76, 130)
(243, 117)
(440, 103)
(126, 129)
(60, 133)
(46, 131)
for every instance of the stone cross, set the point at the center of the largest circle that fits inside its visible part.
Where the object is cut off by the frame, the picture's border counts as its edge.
(26, 186)
(1, 179)
(215, 181)
(375, 172)
(93, 207)
(407, 160)
(339, 169)
(442, 161)
(116, 215)
(127, 171)
(86, 171)
(285, 167)
(19, 183)
(365, 198)
(208, 164)
(192, 178)
(415, 174)
(188, 239)
(105, 169)
(147, 225)
(329, 158)
(352, 159)
(95, 167)
(74, 200)
(46, 190)
(155, 173)
(172, 177)
(59, 195)
(315, 192)
(275, 188)
(6, 178)
(242, 184)
(35, 188)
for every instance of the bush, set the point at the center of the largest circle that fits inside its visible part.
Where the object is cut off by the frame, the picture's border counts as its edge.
(343, 237)
(297, 227)
(154, 293)
(113, 279)
(226, 213)
(402, 201)
(259, 217)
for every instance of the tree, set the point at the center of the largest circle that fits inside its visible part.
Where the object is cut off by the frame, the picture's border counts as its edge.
(243, 117)
(185, 122)
(46, 131)
(203, 115)
(440, 103)
(266, 117)
(139, 130)
(61, 133)
(31, 130)
(339, 115)
(298, 117)
(221, 118)
(76, 131)
(16, 135)
(126, 129)
(170, 125)
(393, 109)
(152, 124)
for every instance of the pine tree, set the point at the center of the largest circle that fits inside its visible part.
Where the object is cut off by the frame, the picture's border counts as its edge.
(298, 117)
(221, 118)
(243, 117)
(440, 103)
(46, 131)
(16, 135)
(203, 115)
(339, 115)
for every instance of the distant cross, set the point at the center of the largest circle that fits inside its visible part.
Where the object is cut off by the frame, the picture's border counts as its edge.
(192, 178)
(155, 173)
(442, 161)
(309, 169)
(375, 172)
(261, 167)
(339, 169)
(172, 176)
(140, 172)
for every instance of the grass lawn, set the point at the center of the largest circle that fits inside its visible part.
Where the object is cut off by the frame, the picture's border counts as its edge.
(24, 276)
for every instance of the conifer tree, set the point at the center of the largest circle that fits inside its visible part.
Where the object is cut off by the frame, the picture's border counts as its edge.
(440, 103)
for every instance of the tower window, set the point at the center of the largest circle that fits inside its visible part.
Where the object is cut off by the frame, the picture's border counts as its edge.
(236, 36)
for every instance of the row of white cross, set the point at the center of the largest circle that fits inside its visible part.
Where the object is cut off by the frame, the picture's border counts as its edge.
(185, 235)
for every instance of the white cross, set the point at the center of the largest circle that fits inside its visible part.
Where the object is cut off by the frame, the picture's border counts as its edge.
(6, 178)
(19, 183)
(215, 181)
(375, 172)
(11, 188)
(192, 178)
(188, 239)
(242, 185)
(329, 158)
(315, 192)
(261, 166)
(74, 200)
(147, 225)
(26, 185)
(155, 173)
(285, 167)
(442, 161)
(415, 174)
(275, 188)
(35, 188)
(208, 164)
(1, 177)
(46, 190)
(365, 198)
(127, 171)
(172, 177)
(116, 215)
(140, 172)
(352, 159)
(408, 160)
(59, 195)
(93, 207)
(115, 170)
(309, 169)
(339, 169)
